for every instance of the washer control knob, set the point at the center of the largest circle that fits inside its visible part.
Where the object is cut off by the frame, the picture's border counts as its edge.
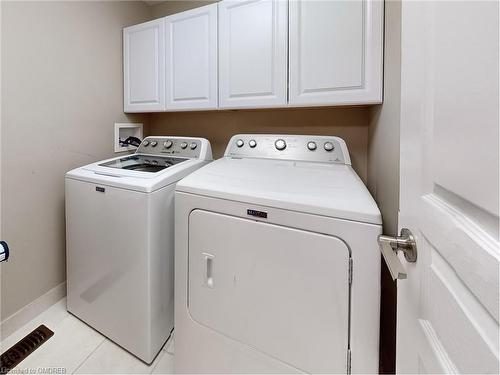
(145, 143)
(240, 143)
(184, 145)
(193, 145)
(154, 143)
(280, 144)
(311, 146)
(252, 143)
(329, 146)
(167, 144)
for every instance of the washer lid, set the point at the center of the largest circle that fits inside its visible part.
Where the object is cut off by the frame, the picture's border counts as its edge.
(142, 163)
(333, 190)
(134, 179)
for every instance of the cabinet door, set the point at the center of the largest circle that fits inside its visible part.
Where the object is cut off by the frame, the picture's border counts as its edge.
(191, 63)
(144, 67)
(336, 52)
(252, 53)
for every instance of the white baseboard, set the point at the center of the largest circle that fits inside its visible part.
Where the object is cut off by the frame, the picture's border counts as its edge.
(29, 312)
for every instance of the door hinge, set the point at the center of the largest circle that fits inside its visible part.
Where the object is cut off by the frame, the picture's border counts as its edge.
(350, 271)
(348, 361)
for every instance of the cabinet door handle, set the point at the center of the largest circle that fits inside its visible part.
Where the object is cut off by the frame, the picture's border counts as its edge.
(209, 269)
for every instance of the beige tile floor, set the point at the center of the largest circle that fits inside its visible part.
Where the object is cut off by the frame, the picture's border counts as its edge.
(77, 348)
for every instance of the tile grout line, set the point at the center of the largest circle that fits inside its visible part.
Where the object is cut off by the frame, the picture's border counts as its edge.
(88, 356)
(160, 356)
(168, 344)
(164, 351)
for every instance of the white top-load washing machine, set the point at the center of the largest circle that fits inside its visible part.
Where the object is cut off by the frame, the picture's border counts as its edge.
(120, 241)
(277, 268)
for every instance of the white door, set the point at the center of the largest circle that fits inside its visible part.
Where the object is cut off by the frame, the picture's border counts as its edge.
(253, 53)
(191, 62)
(336, 52)
(448, 307)
(144, 67)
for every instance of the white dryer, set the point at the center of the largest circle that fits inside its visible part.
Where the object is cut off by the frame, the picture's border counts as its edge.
(120, 241)
(277, 263)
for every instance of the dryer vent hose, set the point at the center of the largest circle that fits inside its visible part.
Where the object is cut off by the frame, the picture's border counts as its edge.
(131, 141)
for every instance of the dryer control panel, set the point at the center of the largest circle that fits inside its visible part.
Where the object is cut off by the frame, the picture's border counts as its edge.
(192, 148)
(313, 148)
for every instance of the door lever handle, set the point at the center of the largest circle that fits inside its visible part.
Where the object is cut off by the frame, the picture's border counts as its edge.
(4, 251)
(389, 246)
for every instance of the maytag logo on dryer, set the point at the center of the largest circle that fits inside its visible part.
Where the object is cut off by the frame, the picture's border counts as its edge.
(256, 213)
(100, 189)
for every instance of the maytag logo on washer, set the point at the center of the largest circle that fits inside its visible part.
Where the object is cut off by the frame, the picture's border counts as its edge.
(261, 214)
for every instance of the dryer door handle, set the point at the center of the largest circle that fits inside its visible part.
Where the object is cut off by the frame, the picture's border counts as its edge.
(209, 269)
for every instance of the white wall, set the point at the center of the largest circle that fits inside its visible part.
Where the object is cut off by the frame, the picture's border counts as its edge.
(383, 171)
(350, 123)
(61, 93)
(383, 141)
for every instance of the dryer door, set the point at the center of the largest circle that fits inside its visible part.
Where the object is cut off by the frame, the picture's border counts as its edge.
(281, 290)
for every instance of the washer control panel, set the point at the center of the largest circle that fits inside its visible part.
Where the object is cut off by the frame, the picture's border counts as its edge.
(314, 148)
(173, 146)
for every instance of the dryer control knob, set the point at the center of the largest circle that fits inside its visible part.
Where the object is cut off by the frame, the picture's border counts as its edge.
(145, 143)
(311, 146)
(154, 143)
(280, 144)
(184, 145)
(240, 143)
(167, 144)
(329, 146)
(252, 143)
(193, 145)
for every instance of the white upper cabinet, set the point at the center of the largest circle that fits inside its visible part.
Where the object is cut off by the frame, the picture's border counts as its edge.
(336, 52)
(191, 59)
(253, 53)
(144, 67)
(256, 54)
